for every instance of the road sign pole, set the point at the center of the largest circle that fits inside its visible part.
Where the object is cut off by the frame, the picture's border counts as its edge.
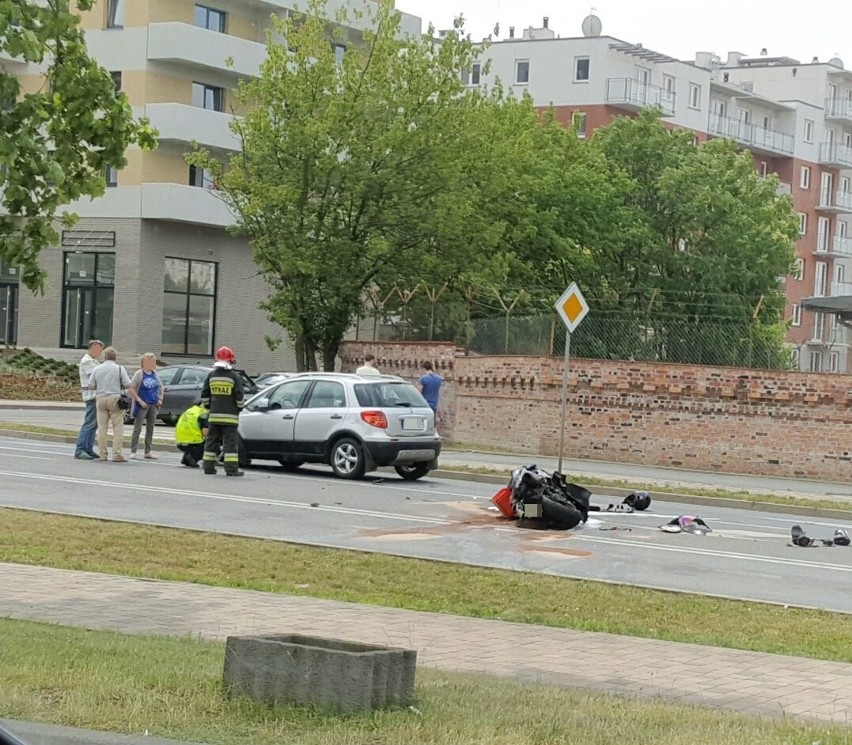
(564, 397)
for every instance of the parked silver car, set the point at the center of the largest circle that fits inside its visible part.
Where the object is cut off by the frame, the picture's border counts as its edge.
(354, 424)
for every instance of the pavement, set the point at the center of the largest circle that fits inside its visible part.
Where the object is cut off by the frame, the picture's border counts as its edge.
(742, 681)
(32, 733)
(68, 416)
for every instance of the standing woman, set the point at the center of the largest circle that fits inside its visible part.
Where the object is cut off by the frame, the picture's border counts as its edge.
(146, 389)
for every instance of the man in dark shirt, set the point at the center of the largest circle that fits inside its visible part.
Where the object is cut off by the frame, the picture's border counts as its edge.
(222, 396)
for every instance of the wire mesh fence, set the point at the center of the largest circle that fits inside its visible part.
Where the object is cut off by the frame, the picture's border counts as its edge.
(617, 337)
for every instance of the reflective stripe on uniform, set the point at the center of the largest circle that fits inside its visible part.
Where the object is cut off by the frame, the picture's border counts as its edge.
(231, 419)
(232, 459)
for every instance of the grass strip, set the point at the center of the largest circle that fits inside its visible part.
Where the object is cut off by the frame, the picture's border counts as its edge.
(172, 688)
(377, 579)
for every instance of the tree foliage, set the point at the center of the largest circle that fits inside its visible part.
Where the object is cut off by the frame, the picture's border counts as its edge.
(57, 141)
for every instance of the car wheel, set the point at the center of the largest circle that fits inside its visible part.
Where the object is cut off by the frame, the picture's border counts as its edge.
(412, 471)
(290, 465)
(347, 459)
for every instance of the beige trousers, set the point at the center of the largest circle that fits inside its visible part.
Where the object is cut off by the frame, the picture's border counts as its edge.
(109, 413)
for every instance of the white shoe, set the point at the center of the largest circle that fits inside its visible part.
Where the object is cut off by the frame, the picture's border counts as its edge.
(151, 456)
(133, 456)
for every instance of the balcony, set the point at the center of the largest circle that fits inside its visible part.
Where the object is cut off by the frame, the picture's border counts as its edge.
(841, 289)
(835, 155)
(184, 124)
(841, 247)
(784, 189)
(835, 202)
(187, 204)
(204, 49)
(838, 109)
(15, 64)
(751, 136)
(633, 95)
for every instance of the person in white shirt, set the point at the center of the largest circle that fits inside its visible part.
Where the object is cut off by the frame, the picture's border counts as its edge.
(107, 381)
(369, 367)
(85, 449)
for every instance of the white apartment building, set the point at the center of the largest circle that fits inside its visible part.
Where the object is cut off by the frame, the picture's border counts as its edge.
(796, 120)
(150, 266)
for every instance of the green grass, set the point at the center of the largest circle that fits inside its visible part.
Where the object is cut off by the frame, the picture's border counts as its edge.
(172, 688)
(377, 579)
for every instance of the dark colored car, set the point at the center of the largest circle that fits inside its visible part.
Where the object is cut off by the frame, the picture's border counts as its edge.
(182, 387)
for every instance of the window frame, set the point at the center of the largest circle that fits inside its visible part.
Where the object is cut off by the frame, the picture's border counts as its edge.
(815, 362)
(518, 63)
(475, 73)
(799, 269)
(208, 11)
(189, 294)
(808, 134)
(803, 223)
(205, 89)
(207, 181)
(580, 116)
(694, 100)
(805, 177)
(834, 362)
(796, 315)
(96, 286)
(114, 11)
(577, 61)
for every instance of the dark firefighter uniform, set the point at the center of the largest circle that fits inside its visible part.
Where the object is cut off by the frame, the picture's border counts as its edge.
(222, 396)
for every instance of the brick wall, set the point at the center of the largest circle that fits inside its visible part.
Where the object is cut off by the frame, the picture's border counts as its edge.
(705, 418)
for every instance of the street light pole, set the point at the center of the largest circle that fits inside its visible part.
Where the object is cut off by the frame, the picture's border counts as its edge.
(564, 397)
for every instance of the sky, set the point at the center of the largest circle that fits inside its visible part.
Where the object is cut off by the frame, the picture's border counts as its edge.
(817, 28)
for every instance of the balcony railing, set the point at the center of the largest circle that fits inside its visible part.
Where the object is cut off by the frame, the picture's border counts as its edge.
(836, 155)
(835, 201)
(783, 189)
(838, 108)
(841, 289)
(841, 246)
(750, 135)
(634, 94)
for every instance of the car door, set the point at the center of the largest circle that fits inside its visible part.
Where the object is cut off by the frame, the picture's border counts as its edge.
(168, 376)
(267, 423)
(185, 390)
(320, 416)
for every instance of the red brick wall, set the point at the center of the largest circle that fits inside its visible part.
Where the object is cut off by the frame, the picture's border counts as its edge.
(705, 418)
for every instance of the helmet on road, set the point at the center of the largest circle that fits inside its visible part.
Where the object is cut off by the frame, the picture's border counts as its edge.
(226, 354)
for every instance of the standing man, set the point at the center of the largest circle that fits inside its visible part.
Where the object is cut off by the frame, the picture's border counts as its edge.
(430, 386)
(368, 369)
(85, 449)
(222, 396)
(190, 432)
(108, 380)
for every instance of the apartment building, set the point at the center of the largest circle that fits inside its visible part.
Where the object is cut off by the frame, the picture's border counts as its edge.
(796, 120)
(151, 266)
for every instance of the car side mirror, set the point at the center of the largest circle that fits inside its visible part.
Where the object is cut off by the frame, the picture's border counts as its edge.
(262, 405)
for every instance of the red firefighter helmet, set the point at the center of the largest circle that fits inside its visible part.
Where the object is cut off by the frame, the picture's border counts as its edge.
(226, 354)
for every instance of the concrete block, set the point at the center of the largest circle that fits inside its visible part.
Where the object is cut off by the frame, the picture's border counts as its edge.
(308, 670)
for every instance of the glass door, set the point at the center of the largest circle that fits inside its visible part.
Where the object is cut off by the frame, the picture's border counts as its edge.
(88, 296)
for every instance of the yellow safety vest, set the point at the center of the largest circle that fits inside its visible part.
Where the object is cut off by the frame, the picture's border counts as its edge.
(187, 431)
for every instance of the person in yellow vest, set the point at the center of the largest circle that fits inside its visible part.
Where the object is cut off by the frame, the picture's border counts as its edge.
(190, 433)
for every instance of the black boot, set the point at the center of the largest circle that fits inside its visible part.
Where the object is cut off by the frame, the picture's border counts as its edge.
(235, 473)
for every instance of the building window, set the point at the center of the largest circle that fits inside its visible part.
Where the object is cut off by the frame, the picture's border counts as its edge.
(111, 176)
(767, 122)
(820, 279)
(189, 307)
(9, 282)
(201, 177)
(694, 96)
(522, 71)
(763, 169)
(796, 358)
(116, 80)
(799, 269)
(87, 298)
(809, 130)
(839, 276)
(581, 69)
(115, 14)
(339, 52)
(797, 315)
(475, 73)
(669, 84)
(578, 122)
(208, 97)
(819, 325)
(823, 230)
(803, 223)
(816, 362)
(805, 177)
(209, 18)
(834, 362)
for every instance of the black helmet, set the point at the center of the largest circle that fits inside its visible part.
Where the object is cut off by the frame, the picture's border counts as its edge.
(638, 500)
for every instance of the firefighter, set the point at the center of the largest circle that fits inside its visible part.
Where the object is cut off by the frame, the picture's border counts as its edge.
(222, 396)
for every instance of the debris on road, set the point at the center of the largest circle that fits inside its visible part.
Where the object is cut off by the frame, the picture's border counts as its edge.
(687, 524)
(841, 538)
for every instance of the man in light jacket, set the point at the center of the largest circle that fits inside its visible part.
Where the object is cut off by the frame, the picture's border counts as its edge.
(85, 449)
(108, 381)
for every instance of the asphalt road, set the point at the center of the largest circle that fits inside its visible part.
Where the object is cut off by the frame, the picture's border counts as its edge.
(639, 476)
(746, 556)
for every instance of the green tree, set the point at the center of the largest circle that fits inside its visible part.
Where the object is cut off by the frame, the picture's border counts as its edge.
(57, 142)
(703, 243)
(349, 168)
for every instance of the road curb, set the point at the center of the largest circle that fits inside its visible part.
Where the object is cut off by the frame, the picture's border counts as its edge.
(53, 734)
(496, 479)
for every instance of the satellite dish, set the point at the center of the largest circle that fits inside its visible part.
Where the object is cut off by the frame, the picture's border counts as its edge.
(592, 26)
(836, 62)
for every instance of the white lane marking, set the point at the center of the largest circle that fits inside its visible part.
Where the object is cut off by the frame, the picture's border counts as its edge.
(33, 457)
(225, 497)
(697, 551)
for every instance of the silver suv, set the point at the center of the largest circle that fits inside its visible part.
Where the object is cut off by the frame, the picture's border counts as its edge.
(353, 423)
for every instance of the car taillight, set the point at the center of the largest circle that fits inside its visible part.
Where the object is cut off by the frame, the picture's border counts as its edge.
(375, 419)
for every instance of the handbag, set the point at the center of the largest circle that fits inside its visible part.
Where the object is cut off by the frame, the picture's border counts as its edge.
(124, 400)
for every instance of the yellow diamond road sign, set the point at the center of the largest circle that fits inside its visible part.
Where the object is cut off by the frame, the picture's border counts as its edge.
(572, 307)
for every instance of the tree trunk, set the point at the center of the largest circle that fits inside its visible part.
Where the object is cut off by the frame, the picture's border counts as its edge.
(329, 355)
(306, 353)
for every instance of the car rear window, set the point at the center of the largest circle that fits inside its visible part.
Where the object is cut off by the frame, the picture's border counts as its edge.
(389, 393)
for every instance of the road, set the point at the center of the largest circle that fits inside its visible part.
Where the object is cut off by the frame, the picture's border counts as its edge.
(746, 556)
(638, 476)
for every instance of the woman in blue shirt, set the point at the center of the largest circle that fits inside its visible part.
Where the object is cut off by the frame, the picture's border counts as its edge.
(146, 389)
